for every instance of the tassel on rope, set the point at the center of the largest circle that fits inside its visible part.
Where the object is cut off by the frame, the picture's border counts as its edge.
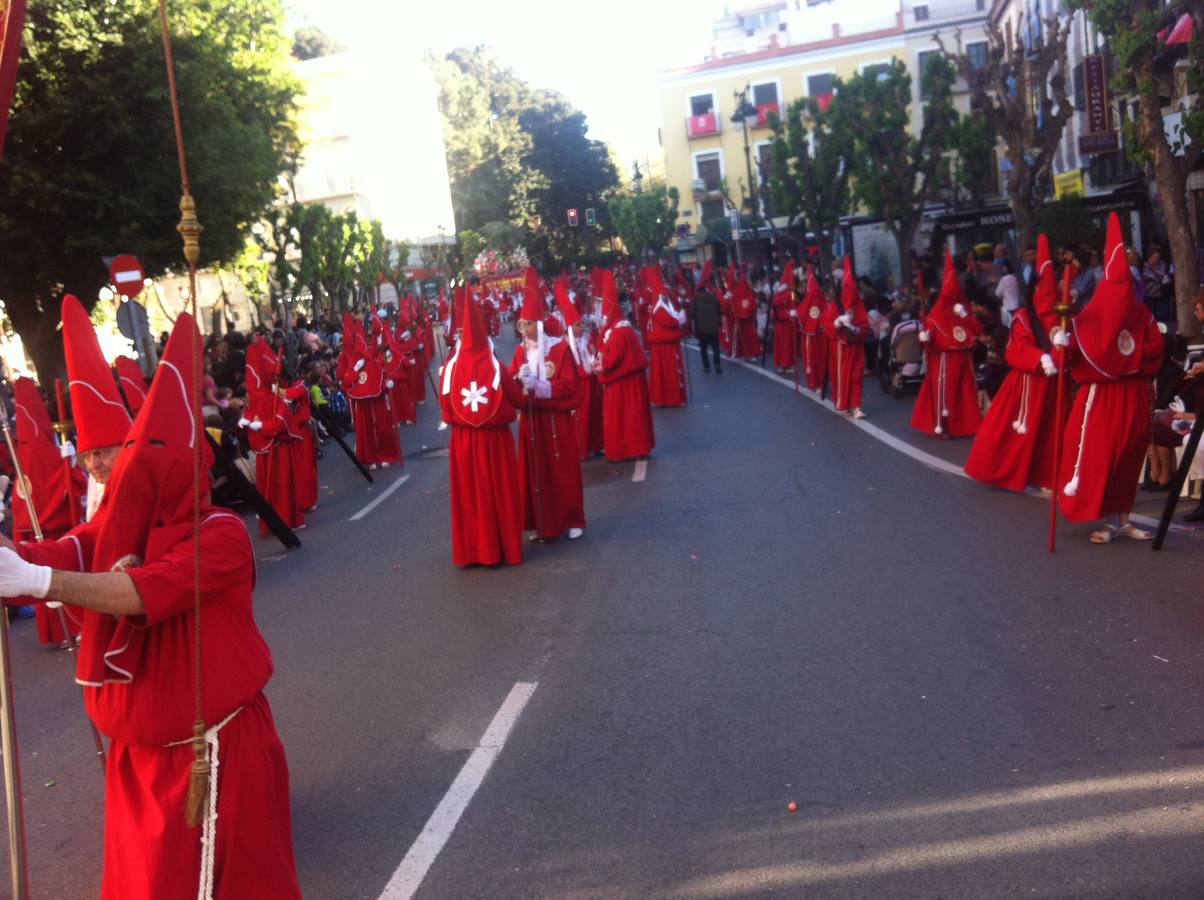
(198, 779)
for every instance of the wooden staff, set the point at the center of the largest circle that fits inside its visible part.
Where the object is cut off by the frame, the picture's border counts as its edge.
(1062, 308)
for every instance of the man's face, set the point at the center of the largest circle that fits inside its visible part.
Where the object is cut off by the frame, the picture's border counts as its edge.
(528, 329)
(1030, 256)
(100, 462)
(1199, 311)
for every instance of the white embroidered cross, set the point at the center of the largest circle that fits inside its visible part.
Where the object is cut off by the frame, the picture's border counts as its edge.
(474, 396)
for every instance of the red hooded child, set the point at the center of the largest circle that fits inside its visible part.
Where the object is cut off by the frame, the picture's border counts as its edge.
(847, 326)
(948, 401)
(745, 342)
(584, 348)
(478, 399)
(785, 338)
(626, 413)
(666, 327)
(813, 346)
(1116, 350)
(1015, 445)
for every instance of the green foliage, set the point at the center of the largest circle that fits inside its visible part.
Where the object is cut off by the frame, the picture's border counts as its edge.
(471, 244)
(894, 173)
(89, 168)
(811, 170)
(973, 137)
(519, 155)
(645, 221)
(312, 43)
(1069, 223)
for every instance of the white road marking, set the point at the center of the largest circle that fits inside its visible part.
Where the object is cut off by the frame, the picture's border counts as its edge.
(381, 499)
(439, 827)
(641, 470)
(920, 456)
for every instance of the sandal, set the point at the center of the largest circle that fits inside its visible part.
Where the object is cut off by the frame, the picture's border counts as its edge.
(1104, 536)
(1134, 533)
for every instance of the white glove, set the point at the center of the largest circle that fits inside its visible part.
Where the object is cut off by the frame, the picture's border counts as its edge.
(244, 422)
(1061, 339)
(1176, 405)
(846, 320)
(924, 336)
(959, 310)
(543, 390)
(389, 384)
(359, 364)
(681, 318)
(67, 450)
(420, 346)
(19, 578)
(524, 372)
(778, 287)
(256, 425)
(1047, 364)
(405, 335)
(794, 313)
(727, 296)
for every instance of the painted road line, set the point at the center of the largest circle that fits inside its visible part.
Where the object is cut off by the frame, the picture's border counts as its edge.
(641, 470)
(439, 827)
(927, 459)
(381, 499)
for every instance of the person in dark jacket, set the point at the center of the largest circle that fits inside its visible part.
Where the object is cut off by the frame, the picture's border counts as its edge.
(706, 315)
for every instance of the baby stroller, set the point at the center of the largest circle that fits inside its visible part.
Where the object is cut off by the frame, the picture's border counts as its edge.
(906, 366)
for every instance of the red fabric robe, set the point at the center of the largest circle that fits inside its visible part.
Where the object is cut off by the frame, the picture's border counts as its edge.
(397, 367)
(549, 463)
(150, 854)
(590, 438)
(486, 506)
(626, 413)
(846, 357)
(948, 398)
(1015, 445)
(813, 346)
(305, 451)
(785, 331)
(746, 343)
(668, 382)
(276, 464)
(1107, 452)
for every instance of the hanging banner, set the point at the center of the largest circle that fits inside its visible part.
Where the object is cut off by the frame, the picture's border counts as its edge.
(12, 18)
(1099, 137)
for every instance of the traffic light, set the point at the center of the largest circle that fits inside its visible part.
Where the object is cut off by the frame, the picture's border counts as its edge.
(572, 218)
(589, 218)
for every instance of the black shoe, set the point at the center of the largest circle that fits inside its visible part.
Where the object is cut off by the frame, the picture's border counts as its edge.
(1196, 515)
(718, 371)
(706, 371)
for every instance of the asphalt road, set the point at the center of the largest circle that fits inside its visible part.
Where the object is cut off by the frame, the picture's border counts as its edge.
(784, 609)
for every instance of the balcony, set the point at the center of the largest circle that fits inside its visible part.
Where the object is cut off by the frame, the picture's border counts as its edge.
(763, 112)
(702, 126)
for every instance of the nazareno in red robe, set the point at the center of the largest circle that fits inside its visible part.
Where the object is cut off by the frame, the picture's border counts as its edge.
(486, 505)
(549, 463)
(948, 400)
(149, 852)
(376, 439)
(1015, 445)
(58, 488)
(275, 459)
(626, 412)
(668, 378)
(305, 450)
(846, 361)
(813, 345)
(745, 343)
(784, 330)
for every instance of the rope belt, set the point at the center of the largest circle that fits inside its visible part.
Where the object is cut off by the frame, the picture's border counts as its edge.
(209, 823)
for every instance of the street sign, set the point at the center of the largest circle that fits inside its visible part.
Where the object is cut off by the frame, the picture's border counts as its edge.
(127, 275)
(589, 218)
(572, 218)
(132, 321)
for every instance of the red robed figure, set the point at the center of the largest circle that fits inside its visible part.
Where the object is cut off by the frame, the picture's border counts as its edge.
(626, 412)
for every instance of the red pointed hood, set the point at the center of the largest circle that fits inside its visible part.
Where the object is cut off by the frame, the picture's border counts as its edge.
(262, 365)
(471, 380)
(611, 310)
(1045, 291)
(653, 282)
(947, 328)
(565, 304)
(533, 302)
(151, 490)
(708, 270)
(32, 420)
(811, 310)
(101, 419)
(788, 274)
(1110, 329)
(133, 382)
(850, 296)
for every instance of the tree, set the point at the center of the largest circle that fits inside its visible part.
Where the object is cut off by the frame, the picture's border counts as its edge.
(1020, 92)
(573, 173)
(810, 177)
(89, 165)
(312, 43)
(646, 221)
(397, 254)
(1148, 70)
(471, 245)
(894, 173)
(371, 255)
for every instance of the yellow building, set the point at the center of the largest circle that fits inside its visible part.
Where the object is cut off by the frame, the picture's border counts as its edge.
(704, 148)
(777, 53)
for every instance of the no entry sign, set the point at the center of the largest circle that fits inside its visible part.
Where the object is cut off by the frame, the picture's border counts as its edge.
(127, 275)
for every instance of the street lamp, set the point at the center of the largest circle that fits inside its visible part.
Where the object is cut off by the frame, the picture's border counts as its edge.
(637, 177)
(745, 110)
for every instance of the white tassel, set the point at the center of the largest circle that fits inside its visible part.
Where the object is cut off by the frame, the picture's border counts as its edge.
(1016, 425)
(938, 430)
(1072, 487)
(1023, 429)
(945, 413)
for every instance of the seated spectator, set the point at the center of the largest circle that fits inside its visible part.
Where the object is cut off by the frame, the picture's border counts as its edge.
(991, 367)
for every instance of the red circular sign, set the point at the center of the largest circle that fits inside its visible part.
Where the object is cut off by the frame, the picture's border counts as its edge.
(127, 275)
